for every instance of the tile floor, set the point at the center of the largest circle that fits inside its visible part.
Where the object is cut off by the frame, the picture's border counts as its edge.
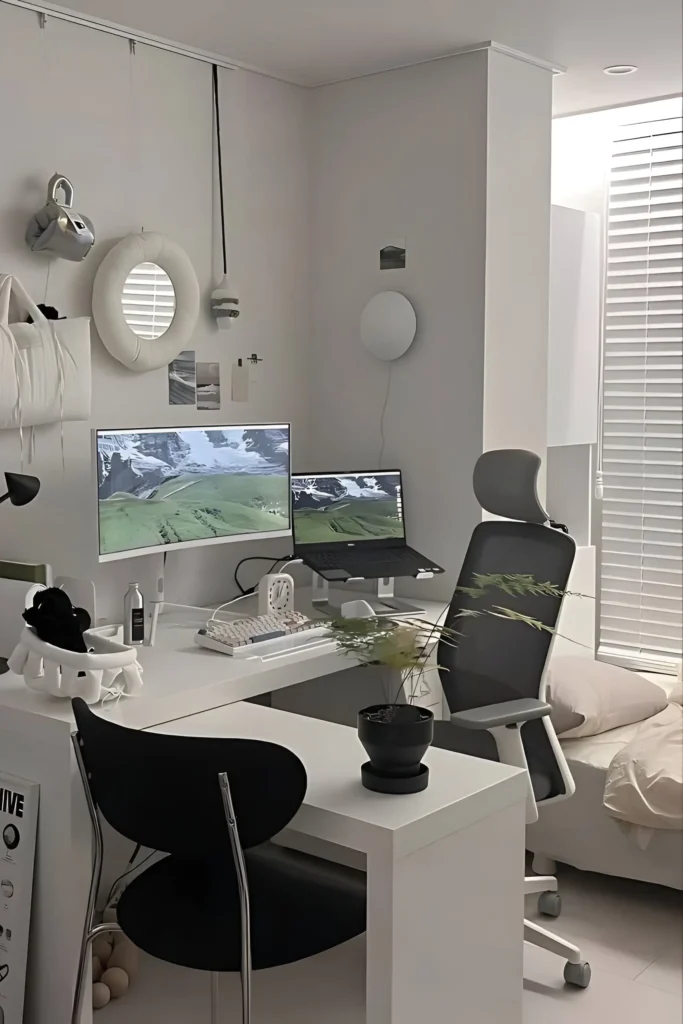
(631, 933)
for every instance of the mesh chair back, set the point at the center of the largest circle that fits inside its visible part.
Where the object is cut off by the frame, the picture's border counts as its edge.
(498, 659)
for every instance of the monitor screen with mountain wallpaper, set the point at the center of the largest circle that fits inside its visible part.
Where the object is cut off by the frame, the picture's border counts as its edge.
(348, 508)
(169, 488)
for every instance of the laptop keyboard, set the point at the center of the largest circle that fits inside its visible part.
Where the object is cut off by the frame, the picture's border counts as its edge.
(342, 559)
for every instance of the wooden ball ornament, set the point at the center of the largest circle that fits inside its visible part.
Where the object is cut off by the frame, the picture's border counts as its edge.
(127, 957)
(116, 981)
(102, 947)
(100, 995)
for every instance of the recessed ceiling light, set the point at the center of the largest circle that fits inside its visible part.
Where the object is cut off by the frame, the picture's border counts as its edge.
(620, 69)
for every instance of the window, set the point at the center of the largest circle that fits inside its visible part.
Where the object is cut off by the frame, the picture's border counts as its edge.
(641, 592)
(148, 301)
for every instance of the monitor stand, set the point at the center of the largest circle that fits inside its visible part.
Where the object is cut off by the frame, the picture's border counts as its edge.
(383, 603)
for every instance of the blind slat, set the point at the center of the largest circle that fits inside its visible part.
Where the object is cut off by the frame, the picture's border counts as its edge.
(148, 301)
(641, 608)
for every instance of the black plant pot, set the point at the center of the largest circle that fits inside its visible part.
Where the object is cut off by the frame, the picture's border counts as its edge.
(396, 737)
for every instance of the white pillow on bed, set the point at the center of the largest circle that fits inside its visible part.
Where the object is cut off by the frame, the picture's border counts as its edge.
(589, 697)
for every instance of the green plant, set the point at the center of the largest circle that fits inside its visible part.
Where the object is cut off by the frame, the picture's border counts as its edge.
(407, 645)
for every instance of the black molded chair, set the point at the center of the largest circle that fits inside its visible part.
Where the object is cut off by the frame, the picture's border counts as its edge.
(225, 898)
(494, 678)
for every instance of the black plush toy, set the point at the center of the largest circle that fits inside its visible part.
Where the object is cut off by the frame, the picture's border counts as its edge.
(49, 312)
(57, 622)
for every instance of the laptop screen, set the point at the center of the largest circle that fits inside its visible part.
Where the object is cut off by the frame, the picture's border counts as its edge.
(347, 508)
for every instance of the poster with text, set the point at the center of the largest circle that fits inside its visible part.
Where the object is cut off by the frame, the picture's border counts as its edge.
(18, 823)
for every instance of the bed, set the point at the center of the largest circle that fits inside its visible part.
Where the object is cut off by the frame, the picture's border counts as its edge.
(583, 833)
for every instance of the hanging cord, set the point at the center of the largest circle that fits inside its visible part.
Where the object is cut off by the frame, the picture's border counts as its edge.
(219, 148)
(61, 384)
(47, 282)
(381, 419)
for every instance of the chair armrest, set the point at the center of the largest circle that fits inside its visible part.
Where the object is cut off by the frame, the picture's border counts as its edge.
(510, 712)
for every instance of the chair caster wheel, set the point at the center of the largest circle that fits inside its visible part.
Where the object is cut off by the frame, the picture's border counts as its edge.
(550, 904)
(578, 975)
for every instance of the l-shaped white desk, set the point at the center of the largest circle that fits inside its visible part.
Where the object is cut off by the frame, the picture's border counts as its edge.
(442, 865)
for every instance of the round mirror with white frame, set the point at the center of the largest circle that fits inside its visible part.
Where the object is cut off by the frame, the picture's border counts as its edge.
(145, 301)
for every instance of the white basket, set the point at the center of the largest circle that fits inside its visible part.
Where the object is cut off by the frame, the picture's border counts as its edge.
(48, 669)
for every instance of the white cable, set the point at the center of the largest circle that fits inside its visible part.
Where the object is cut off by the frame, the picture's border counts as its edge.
(381, 419)
(291, 561)
(234, 600)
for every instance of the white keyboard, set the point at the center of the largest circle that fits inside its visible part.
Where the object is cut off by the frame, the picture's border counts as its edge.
(262, 634)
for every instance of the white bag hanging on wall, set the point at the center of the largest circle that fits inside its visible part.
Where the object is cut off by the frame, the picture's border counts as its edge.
(44, 366)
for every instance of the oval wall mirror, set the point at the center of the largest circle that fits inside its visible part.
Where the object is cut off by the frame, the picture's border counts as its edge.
(388, 325)
(148, 300)
(145, 301)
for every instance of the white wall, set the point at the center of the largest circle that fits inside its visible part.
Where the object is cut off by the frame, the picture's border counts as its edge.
(135, 136)
(402, 155)
(517, 256)
(453, 156)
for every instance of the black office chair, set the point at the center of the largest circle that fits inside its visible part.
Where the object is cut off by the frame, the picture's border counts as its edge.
(494, 678)
(225, 898)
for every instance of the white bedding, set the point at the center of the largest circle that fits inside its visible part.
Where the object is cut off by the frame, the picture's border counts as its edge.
(641, 767)
(582, 833)
(645, 778)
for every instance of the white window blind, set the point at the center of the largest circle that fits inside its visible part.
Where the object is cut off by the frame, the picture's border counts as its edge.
(641, 592)
(148, 301)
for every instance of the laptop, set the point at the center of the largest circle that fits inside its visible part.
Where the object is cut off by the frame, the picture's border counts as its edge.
(352, 526)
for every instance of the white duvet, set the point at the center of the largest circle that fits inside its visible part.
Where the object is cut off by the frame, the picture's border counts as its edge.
(645, 777)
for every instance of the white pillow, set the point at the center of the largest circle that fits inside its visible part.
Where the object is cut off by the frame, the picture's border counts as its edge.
(589, 697)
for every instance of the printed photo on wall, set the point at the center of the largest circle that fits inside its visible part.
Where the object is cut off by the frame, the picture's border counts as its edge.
(182, 379)
(393, 255)
(208, 386)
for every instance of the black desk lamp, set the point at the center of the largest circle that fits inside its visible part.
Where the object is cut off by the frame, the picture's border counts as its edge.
(20, 488)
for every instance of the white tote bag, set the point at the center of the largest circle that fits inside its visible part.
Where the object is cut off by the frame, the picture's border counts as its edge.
(44, 366)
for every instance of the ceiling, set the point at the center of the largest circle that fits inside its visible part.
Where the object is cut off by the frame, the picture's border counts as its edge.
(313, 42)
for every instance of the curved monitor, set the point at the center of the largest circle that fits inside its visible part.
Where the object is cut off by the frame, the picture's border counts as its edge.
(165, 488)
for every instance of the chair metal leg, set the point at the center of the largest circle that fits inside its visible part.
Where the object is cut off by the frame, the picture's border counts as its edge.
(90, 932)
(243, 886)
(214, 997)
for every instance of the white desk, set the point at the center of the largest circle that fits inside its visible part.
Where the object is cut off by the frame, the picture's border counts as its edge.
(445, 867)
(180, 679)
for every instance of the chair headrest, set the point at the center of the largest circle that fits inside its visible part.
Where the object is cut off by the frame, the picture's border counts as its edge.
(505, 484)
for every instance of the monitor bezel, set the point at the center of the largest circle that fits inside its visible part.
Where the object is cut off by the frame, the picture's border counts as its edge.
(385, 542)
(184, 545)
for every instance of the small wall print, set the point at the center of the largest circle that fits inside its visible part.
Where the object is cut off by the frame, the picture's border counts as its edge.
(182, 379)
(393, 255)
(208, 386)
